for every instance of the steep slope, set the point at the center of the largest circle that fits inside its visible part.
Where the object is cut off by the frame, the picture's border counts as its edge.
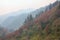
(44, 27)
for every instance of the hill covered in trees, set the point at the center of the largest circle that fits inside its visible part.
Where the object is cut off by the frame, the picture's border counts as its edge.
(46, 26)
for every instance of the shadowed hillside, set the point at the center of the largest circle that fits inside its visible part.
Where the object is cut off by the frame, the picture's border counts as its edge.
(44, 27)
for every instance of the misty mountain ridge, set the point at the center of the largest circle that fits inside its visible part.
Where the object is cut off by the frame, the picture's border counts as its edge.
(14, 20)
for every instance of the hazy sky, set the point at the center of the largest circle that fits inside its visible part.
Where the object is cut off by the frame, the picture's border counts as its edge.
(7, 6)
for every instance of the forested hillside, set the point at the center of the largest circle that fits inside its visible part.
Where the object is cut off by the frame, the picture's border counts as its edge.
(46, 26)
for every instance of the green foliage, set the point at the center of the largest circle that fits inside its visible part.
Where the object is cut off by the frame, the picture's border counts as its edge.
(43, 24)
(59, 6)
(29, 18)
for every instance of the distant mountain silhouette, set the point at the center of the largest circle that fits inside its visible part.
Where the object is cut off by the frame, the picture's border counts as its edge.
(14, 20)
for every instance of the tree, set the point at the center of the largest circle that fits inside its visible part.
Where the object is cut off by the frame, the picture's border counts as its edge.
(29, 18)
(50, 6)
